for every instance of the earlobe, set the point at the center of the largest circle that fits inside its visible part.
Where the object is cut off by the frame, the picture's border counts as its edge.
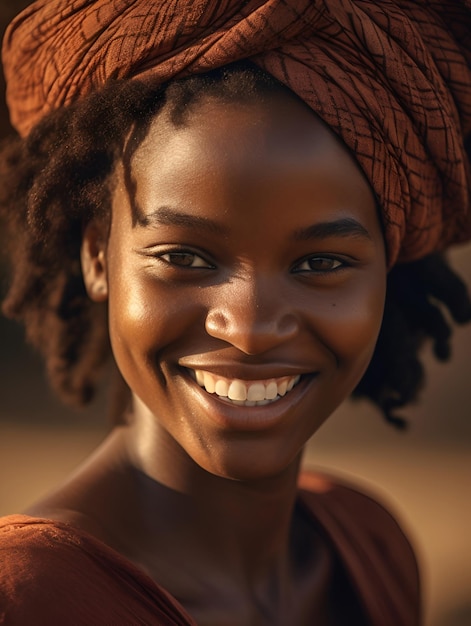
(93, 259)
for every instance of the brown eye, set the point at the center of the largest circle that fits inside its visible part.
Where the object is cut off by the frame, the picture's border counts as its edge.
(321, 264)
(184, 259)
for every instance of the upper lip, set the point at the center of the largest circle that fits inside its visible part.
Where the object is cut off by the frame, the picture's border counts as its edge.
(249, 373)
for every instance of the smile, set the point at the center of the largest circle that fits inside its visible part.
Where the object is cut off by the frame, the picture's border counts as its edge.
(243, 392)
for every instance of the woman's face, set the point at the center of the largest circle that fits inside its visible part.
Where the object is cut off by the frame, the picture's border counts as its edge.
(246, 294)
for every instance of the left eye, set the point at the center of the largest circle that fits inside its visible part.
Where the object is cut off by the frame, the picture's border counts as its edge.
(319, 264)
(184, 259)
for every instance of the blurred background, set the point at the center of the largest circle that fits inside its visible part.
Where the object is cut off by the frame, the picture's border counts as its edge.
(424, 474)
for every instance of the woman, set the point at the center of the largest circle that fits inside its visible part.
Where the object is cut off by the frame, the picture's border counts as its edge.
(226, 227)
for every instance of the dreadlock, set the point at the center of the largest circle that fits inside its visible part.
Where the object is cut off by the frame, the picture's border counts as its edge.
(421, 296)
(60, 177)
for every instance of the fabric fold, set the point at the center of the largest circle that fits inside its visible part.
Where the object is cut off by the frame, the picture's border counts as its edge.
(392, 79)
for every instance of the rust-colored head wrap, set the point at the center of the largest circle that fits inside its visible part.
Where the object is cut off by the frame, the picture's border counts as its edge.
(391, 78)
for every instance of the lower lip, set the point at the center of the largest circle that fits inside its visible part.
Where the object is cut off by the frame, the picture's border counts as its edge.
(251, 418)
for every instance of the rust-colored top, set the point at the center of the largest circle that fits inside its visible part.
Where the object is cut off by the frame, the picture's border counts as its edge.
(52, 573)
(391, 78)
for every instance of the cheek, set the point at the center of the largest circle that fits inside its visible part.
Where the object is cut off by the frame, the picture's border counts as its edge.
(145, 318)
(352, 323)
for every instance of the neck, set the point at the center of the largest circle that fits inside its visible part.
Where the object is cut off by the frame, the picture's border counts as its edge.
(243, 526)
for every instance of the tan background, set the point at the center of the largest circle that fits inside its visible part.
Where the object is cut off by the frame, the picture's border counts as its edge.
(424, 474)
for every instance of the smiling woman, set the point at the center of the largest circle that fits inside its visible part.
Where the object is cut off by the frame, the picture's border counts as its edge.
(264, 295)
(228, 237)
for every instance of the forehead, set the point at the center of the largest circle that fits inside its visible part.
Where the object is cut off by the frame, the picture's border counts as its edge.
(270, 152)
(279, 126)
(273, 134)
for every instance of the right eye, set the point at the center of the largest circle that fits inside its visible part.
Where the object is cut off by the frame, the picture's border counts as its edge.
(184, 258)
(320, 264)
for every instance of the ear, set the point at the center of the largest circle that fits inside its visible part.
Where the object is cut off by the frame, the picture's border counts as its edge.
(93, 258)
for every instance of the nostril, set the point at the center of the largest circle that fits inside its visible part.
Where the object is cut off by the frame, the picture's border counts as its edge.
(252, 334)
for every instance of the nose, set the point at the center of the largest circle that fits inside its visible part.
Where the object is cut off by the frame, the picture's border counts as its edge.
(253, 316)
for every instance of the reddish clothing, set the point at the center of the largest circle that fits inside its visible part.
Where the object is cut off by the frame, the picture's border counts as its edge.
(52, 573)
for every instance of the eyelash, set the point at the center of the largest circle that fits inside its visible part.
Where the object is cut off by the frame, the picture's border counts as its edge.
(339, 264)
(179, 254)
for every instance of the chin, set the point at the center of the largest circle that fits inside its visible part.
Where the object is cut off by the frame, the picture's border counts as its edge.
(249, 462)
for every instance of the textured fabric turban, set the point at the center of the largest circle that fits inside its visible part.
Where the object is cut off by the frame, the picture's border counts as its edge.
(391, 78)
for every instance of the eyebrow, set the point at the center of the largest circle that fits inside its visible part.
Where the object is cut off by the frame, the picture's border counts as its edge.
(344, 227)
(168, 216)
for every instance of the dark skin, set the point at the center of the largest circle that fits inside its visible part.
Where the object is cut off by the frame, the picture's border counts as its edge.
(255, 263)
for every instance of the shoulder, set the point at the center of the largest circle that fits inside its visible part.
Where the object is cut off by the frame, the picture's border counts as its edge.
(25, 535)
(24, 538)
(370, 541)
(51, 571)
(34, 565)
(353, 509)
(41, 560)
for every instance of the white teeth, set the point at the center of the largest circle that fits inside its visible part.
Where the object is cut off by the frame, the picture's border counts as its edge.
(256, 392)
(282, 387)
(292, 383)
(221, 388)
(237, 391)
(271, 391)
(199, 378)
(244, 393)
(209, 383)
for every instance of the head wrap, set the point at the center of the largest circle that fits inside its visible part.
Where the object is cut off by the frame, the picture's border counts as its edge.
(391, 78)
